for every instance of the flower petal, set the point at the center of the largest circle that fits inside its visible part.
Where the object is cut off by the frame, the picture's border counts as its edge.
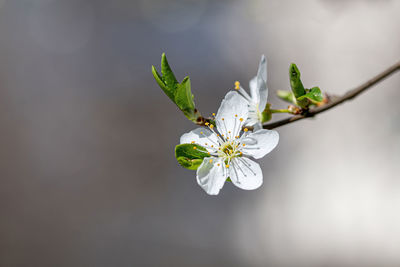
(201, 136)
(258, 85)
(210, 176)
(245, 173)
(259, 143)
(233, 108)
(255, 93)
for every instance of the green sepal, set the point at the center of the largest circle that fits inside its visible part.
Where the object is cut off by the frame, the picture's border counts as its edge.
(266, 115)
(228, 179)
(179, 93)
(287, 96)
(314, 95)
(190, 156)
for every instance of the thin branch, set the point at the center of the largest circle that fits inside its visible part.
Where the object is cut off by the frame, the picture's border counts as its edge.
(334, 101)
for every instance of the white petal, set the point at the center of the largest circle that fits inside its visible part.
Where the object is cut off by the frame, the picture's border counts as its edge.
(262, 83)
(252, 121)
(201, 136)
(257, 126)
(255, 93)
(260, 143)
(258, 85)
(210, 176)
(245, 173)
(233, 107)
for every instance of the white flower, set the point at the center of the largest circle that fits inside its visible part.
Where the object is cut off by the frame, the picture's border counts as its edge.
(259, 95)
(229, 148)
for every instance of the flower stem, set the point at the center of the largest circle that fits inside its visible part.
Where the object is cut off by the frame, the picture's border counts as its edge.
(280, 111)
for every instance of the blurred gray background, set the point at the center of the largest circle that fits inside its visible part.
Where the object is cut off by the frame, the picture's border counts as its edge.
(87, 173)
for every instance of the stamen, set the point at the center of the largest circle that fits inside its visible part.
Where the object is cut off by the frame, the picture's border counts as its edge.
(246, 130)
(237, 85)
(237, 176)
(227, 165)
(194, 147)
(211, 160)
(207, 123)
(247, 165)
(193, 142)
(245, 175)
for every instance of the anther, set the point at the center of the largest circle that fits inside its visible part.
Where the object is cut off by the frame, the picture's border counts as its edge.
(211, 126)
(246, 130)
(201, 132)
(241, 119)
(244, 144)
(237, 85)
(223, 119)
(194, 147)
(235, 115)
(213, 114)
(218, 164)
(210, 160)
(227, 165)
(206, 123)
(206, 144)
(193, 142)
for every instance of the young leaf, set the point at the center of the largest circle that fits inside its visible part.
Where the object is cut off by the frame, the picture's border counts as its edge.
(314, 95)
(184, 99)
(190, 156)
(295, 81)
(168, 76)
(161, 83)
(286, 96)
(179, 93)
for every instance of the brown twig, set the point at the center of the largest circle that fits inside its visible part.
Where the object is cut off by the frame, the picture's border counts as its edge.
(336, 100)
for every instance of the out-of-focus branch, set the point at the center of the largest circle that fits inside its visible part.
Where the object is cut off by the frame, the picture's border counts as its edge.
(334, 101)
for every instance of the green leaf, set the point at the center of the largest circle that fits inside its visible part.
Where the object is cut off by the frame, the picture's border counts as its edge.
(295, 81)
(179, 93)
(184, 99)
(287, 96)
(161, 83)
(168, 76)
(190, 156)
(314, 95)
